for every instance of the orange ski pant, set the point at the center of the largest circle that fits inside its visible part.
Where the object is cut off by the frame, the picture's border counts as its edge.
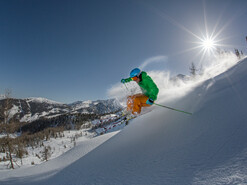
(136, 102)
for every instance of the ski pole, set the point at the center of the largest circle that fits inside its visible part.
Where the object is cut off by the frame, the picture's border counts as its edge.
(173, 109)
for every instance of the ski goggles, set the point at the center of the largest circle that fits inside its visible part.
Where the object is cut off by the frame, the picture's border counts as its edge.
(135, 78)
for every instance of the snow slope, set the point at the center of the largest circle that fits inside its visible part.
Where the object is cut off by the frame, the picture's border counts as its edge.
(23, 176)
(167, 147)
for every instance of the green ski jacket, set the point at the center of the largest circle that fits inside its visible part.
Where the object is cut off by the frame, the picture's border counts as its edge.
(147, 85)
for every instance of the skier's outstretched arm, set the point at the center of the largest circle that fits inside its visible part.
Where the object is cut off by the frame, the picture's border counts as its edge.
(126, 80)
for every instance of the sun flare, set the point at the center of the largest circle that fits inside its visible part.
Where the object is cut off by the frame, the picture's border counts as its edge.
(208, 44)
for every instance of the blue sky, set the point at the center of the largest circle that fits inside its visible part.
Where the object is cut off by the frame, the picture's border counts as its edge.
(76, 50)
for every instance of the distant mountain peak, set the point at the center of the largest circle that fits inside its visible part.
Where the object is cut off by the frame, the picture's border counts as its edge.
(2, 96)
(42, 100)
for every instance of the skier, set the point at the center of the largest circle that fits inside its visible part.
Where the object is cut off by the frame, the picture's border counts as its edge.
(149, 91)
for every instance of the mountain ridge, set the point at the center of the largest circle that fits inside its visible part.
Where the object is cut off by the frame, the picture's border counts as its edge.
(31, 109)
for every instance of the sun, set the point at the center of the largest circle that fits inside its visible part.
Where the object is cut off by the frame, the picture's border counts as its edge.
(208, 44)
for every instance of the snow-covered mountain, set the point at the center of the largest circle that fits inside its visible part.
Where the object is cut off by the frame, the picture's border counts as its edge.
(31, 109)
(42, 100)
(163, 146)
(2, 96)
(98, 107)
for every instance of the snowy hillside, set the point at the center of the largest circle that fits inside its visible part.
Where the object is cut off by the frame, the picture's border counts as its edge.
(164, 146)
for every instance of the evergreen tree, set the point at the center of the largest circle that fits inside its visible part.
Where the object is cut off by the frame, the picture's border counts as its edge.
(237, 53)
(193, 69)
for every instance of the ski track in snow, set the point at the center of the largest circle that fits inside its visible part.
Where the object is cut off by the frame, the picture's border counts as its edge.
(233, 172)
(164, 147)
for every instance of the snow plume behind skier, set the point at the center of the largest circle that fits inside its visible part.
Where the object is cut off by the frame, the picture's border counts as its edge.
(171, 90)
(149, 91)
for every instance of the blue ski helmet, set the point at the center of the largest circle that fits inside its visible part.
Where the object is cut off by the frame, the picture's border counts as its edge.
(135, 72)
